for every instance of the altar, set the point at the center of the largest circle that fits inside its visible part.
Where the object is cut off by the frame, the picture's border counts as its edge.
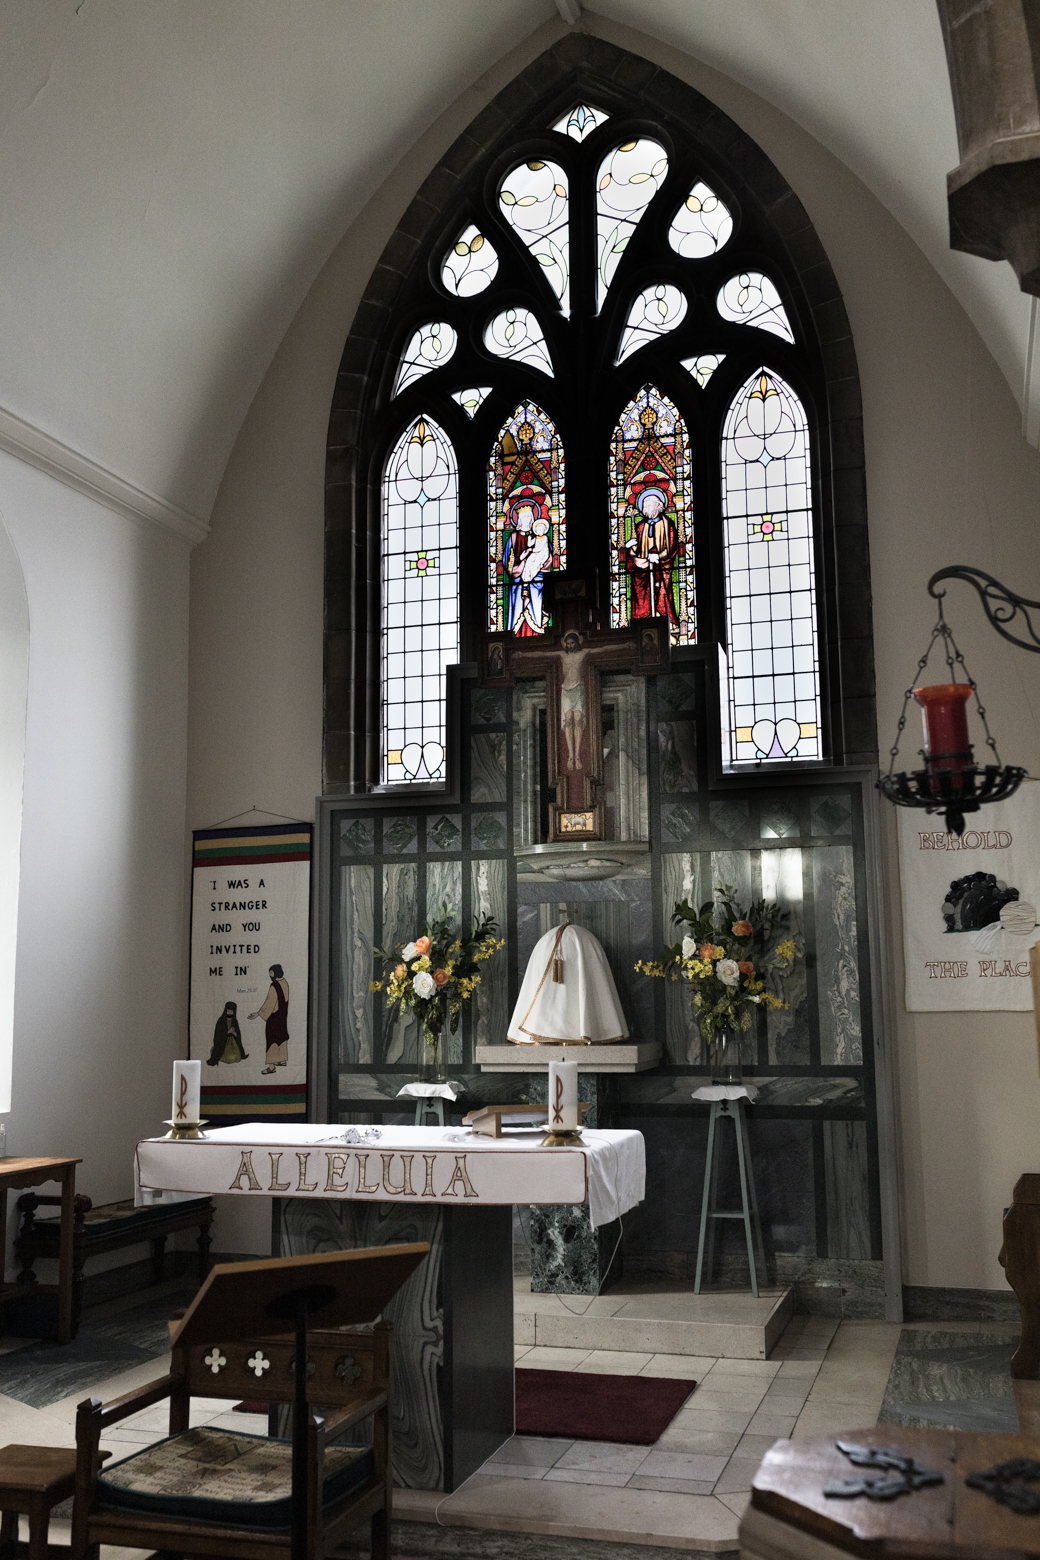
(344, 1187)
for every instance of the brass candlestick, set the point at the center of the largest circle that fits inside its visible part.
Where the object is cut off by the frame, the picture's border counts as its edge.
(563, 1137)
(180, 1131)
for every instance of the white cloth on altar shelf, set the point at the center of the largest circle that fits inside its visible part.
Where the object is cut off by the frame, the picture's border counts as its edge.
(431, 1091)
(727, 1091)
(580, 1009)
(607, 1169)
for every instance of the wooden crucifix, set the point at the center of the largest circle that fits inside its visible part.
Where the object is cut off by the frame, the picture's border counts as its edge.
(572, 660)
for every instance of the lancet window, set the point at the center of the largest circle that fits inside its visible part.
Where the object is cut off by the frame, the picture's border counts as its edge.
(608, 325)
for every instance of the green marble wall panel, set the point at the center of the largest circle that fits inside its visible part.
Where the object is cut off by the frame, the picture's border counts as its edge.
(845, 1176)
(489, 885)
(400, 923)
(788, 1029)
(683, 876)
(677, 756)
(488, 766)
(352, 1005)
(837, 956)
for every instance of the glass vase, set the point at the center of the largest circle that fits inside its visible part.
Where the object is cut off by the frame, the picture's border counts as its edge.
(723, 1057)
(434, 1059)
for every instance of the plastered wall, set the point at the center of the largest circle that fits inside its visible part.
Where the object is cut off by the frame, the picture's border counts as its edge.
(950, 479)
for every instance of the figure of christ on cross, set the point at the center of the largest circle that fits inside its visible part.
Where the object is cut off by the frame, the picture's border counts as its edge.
(571, 661)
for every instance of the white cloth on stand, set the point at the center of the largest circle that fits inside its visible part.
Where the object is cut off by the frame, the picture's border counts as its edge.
(582, 1008)
(727, 1091)
(431, 1091)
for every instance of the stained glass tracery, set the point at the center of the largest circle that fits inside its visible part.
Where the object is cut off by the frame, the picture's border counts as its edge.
(774, 675)
(652, 560)
(704, 366)
(527, 521)
(656, 311)
(472, 399)
(428, 347)
(515, 333)
(752, 299)
(471, 263)
(420, 588)
(701, 225)
(534, 201)
(581, 121)
(629, 177)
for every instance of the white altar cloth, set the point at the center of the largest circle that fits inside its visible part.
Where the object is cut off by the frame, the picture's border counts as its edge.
(448, 1165)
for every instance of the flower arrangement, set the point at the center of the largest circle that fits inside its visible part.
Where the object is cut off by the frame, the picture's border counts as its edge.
(436, 973)
(731, 958)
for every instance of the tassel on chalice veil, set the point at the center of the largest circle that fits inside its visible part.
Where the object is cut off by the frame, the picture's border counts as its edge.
(558, 970)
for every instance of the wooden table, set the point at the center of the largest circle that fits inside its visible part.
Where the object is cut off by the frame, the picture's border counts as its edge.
(33, 1479)
(16, 1174)
(790, 1515)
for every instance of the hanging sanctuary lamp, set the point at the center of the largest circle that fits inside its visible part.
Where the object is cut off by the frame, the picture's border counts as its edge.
(951, 781)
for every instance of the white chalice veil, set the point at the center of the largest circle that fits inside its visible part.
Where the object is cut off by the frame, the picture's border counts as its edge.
(582, 1009)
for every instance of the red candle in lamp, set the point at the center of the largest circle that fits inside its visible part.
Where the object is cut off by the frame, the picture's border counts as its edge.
(946, 741)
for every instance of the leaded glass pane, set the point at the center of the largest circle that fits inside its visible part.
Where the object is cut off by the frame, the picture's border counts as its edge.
(752, 299)
(774, 675)
(533, 198)
(471, 400)
(420, 578)
(652, 571)
(470, 265)
(704, 366)
(655, 312)
(629, 178)
(429, 347)
(527, 518)
(515, 333)
(581, 121)
(701, 225)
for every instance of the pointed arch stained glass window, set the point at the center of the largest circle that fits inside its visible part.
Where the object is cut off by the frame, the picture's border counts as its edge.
(774, 672)
(652, 573)
(470, 265)
(471, 399)
(420, 582)
(534, 202)
(628, 179)
(527, 521)
(655, 312)
(515, 333)
(429, 347)
(581, 121)
(752, 299)
(701, 225)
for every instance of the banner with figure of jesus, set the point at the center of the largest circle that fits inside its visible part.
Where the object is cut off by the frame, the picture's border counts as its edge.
(250, 953)
(970, 906)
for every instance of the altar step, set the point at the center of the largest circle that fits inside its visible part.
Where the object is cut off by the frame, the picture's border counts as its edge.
(655, 1317)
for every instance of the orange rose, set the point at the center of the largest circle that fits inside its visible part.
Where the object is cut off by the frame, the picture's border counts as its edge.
(746, 967)
(400, 971)
(441, 977)
(706, 951)
(422, 946)
(740, 929)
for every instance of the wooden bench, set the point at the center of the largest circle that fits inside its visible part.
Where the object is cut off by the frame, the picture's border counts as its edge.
(108, 1228)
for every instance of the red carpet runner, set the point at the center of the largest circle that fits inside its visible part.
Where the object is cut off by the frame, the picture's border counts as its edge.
(585, 1406)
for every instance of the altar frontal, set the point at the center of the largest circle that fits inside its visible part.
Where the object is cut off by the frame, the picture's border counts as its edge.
(402, 1164)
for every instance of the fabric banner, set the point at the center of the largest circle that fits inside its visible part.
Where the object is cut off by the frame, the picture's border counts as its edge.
(250, 953)
(969, 906)
(403, 1164)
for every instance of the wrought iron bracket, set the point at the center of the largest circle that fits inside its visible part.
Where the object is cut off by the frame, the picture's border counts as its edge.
(1001, 605)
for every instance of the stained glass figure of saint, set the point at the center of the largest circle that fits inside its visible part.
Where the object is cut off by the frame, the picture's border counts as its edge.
(652, 571)
(527, 522)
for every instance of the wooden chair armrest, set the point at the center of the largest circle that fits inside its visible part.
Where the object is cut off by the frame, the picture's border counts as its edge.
(331, 1428)
(133, 1402)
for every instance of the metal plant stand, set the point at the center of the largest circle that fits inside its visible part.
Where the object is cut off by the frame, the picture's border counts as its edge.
(729, 1110)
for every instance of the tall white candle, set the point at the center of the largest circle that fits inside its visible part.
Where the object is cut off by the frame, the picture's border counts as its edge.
(563, 1096)
(187, 1092)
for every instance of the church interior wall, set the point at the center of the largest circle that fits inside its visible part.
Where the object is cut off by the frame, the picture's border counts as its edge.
(950, 479)
(99, 990)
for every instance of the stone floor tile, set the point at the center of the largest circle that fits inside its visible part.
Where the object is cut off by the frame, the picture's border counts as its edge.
(605, 1456)
(503, 1470)
(519, 1350)
(536, 1451)
(705, 1419)
(711, 1443)
(834, 1419)
(738, 1475)
(784, 1402)
(588, 1476)
(797, 1370)
(755, 1444)
(640, 1481)
(683, 1465)
(776, 1425)
(726, 1402)
(681, 1367)
(614, 1362)
(546, 1357)
(249, 1424)
(745, 1368)
(736, 1503)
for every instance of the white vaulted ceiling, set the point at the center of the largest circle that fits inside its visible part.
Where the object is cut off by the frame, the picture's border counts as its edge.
(174, 173)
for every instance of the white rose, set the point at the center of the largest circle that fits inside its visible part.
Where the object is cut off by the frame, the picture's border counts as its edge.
(727, 971)
(424, 984)
(408, 954)
(689, 947)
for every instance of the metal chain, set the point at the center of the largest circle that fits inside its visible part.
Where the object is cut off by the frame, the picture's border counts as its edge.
(953, 658)
(893, 752)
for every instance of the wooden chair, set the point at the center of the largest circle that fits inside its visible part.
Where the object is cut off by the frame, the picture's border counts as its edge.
(334, 1488)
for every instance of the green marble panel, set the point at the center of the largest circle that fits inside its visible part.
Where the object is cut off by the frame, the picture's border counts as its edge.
(788, 1029)
(489, 890)
(837, 967)
(400, 925)
(845, 1176)
(352, 1008)
(488, 762)
(682, 877)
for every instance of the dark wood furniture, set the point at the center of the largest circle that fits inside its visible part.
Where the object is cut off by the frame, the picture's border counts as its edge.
(33, 1479)
(1020, 1258)
(233, 1317)
(789, 1514)
(108, 1228)
(15, 1175)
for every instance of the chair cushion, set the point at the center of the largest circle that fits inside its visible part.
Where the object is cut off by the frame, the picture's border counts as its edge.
(223, 1476)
